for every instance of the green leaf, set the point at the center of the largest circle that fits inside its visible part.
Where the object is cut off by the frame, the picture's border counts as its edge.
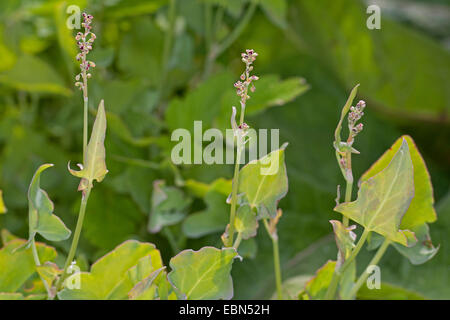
(215, 217)
(203, 274)
(263, 182)
(2, 204)
(169, 206)
(116, 273)
(34, 75)
(40, 212)
(18, 265)
(421, 210)
(384, 199)
(387, 292)
(48, 272)
(345, 240)
(145, 289)
(246, 222)
(316, 288)
(11, 296)
(94, 166)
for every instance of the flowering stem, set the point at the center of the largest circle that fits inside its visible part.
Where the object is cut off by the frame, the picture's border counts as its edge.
(76, 237)
(234, 198)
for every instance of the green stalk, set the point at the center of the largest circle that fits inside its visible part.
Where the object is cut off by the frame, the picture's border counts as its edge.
(238, 241)
(377, 257)
(276, 261)
(332, 288)
(86, 107)
(38, 263)
(76, 237)
(234, 198)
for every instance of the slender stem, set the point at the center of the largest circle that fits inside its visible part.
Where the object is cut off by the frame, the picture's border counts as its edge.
(276, 260)
(86, 107)
(376, 258)
(331, 291)
(349, 179)
(238, 241)
(76, 237)
(38, 263)
(234, 198)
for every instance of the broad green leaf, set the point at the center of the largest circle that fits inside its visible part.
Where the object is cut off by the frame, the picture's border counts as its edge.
(17, 266)
(40, 212)
(345, 240)
(116, 273)
(11, 296)
(263, 183)
(387, 292)
(169, 206)
(94, 166)
(246, 222)
(2, 204)
(203, 274)
(34, 75)
(216, 215)
(316, 288)
(48, 272)
(384, 199)
(421, 210)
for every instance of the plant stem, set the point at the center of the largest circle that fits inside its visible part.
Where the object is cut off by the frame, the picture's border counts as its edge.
(38, 263)
(234, 198)
(76, 237)
(377, 257)
(276, 260)
(349, 186)
(238, 241)
(331, 291)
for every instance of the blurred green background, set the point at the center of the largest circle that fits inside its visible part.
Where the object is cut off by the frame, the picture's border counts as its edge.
(157, 70)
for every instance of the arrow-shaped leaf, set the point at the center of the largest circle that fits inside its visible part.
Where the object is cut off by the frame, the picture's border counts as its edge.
(40, 211)
(264, 182)
(94, 167)
(384, 199)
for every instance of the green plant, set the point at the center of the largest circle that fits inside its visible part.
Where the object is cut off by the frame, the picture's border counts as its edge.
(159, 69)
(394, 204)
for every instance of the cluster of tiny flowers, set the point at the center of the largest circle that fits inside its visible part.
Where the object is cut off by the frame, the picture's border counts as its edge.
(248, 57)
(84, 42)
(354, 116)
